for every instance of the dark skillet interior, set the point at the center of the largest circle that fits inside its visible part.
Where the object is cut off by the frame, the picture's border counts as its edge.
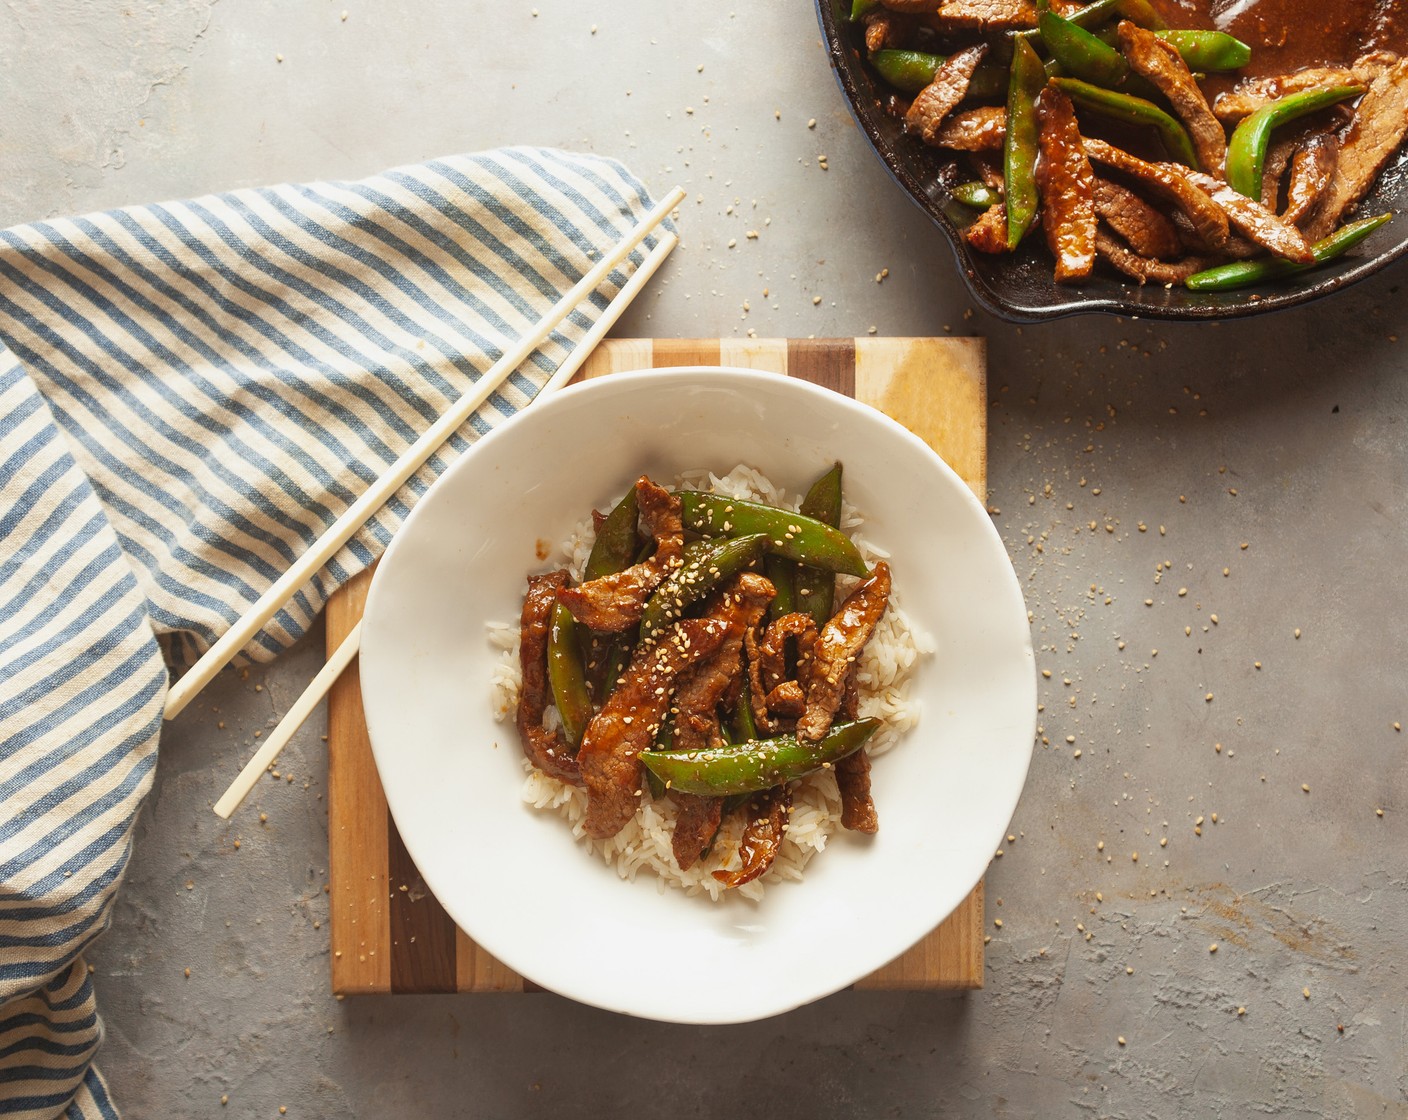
(1019, 286)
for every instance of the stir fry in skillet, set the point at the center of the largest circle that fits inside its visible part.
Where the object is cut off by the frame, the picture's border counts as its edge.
(1177, 155)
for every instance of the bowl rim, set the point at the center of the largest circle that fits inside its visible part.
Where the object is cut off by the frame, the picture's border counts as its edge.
(628, 382)
(1258, 301)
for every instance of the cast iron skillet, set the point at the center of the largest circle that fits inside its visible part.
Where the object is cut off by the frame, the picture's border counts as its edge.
(1018, 286)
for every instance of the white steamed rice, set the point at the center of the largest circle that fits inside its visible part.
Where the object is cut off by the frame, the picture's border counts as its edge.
(886, 666)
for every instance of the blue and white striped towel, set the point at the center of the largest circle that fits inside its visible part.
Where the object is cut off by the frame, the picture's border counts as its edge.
(190, 393)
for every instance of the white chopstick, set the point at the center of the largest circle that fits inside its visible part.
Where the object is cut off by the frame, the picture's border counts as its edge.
(347, 649)
(306, 566)
(292, 721)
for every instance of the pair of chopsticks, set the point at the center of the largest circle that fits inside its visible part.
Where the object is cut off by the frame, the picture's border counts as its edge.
(376, 495)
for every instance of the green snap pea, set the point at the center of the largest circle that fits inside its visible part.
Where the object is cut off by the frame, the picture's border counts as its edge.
(977, 195)
(1208, 50)
(1246, 151)
(797, 537)
(704, 570)
(1079, 53)
(1140, 12)
(615, 546)
(816, 587)
(1136, 11)
(1131, 110)
(782, 573)
(749, 767)
(567, 677)
(1019, 145)
(910, 71)
(1242, 274)
(860, 7)
(743, 727)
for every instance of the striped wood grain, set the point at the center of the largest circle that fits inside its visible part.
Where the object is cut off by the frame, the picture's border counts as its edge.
(388, 933)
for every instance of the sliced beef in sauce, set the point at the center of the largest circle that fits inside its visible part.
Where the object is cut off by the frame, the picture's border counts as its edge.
(941, 96)
(740, 606)
(837, 647)
(879, 28)
(981, 129)
(1208, 222)
(1235, 105)
(628, 721)
(763, 834)
(546, 750)
(1067, 187)
(1160, 62)
(614, 603)
(1312, 170)
(786, 701)
(1380, 123)
(1142, 226)
(1253, 220)
(1143, 268)
(853, 772)
(697, 820)
(988, 234)
(984, 15)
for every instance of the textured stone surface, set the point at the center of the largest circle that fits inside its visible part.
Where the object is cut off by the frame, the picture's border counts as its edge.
(1116, 446)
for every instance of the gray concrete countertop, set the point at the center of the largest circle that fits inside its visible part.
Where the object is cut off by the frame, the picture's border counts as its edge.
(1262, 465)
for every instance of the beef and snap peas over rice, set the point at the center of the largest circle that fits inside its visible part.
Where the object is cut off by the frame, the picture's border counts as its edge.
(700, 683)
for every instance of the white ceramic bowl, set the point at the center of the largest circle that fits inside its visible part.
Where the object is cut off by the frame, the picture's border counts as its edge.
(514, 879)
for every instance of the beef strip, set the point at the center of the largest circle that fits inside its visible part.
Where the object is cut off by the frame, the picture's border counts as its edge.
(1248, 97)
(989, 170)
(1253, 220)
(1312, 169)
(941, 96)
(1208, 220)
(757, 691)
(879, 29)
(1160, 63)
(981, 129)
(1144, 228)
(853, 771)
(762, 836)
(786, 701)
(546, 750)
(1144, 268)
(983, 15)
(628, 721)
(697, 820)
(614, 603)
(1380, 122)
(1273, 168)
(837, 648)
(988, 234)
(740, 606)
(1067, 187)
(772, 650)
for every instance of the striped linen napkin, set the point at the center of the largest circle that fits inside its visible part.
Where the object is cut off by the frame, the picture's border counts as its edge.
(190, 393)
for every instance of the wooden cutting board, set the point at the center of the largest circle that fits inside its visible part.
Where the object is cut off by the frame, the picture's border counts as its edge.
(389, 934)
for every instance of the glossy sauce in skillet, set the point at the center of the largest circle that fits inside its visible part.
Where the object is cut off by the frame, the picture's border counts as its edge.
(1287, 35)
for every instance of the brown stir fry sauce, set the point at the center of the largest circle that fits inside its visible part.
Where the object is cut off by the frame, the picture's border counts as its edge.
(1287, 35)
